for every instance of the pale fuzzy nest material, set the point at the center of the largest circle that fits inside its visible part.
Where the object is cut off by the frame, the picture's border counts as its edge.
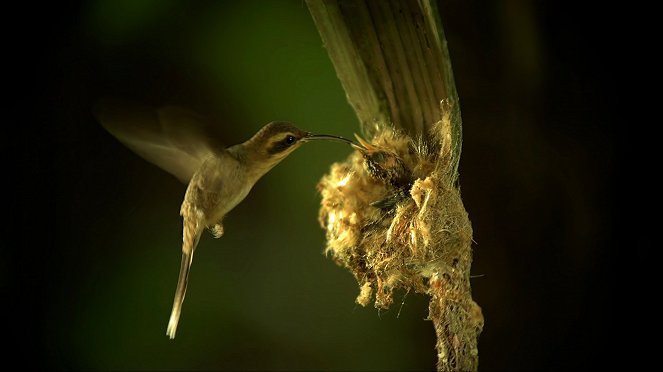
(404, 226)
(391, 247)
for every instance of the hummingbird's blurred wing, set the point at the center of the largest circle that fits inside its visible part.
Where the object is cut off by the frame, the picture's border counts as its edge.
(173, 138)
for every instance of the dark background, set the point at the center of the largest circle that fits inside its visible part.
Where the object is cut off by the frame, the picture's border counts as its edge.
(90, 266)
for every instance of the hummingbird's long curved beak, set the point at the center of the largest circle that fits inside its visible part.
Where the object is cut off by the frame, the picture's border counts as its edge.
(328, 137)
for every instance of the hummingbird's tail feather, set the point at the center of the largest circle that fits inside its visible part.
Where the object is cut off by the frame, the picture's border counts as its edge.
(182, 282)
(192, 232)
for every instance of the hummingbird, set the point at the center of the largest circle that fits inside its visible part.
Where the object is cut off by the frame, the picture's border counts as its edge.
(217, 177)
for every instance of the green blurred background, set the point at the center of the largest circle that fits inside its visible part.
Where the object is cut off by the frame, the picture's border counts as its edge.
(90, 279)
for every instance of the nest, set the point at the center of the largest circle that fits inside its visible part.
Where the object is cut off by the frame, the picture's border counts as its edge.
(394, 218)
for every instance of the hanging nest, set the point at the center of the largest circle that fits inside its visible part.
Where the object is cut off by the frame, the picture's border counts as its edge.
(394, 217)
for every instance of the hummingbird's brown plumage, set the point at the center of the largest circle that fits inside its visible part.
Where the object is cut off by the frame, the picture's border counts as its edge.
(223, 181)
(218, 178)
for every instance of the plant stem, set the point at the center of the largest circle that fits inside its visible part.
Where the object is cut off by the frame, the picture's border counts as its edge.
(392, 60)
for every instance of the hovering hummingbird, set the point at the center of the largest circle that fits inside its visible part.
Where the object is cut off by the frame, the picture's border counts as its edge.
(178, 141)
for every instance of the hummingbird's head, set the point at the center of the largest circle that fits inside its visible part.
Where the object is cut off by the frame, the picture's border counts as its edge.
(277, 140)
(273, 143)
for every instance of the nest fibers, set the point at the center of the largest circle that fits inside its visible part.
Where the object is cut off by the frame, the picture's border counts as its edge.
(394, 217)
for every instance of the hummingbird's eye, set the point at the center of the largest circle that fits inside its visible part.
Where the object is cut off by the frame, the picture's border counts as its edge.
(282, 144)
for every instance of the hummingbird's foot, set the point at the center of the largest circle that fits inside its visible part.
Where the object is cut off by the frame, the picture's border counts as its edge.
(217, 230)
